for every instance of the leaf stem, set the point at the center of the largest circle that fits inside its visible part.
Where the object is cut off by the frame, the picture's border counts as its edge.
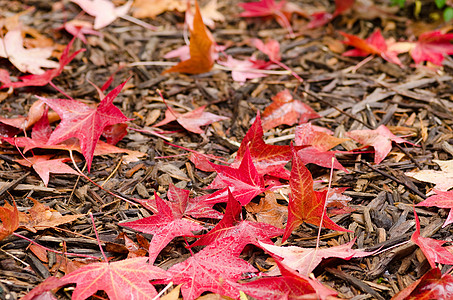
(97, 237)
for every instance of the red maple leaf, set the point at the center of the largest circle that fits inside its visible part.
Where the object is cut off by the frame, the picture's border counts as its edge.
(266, 158)
(182, 205)
(164, 226)
(244, 232)
(319, 19)
(40, 135)
(244, 182)
(43, 165)
(191, 120)
(125, 279)
(212, 269)
(305, 205)
(443, 200)
(431, 248)
(380, 138)
(42, 290)
(9, 215)
(432, 46)
(319, 137)
(83, 122)
(305, 260)
(42, 79)
(280, 11)
(375, 44)
(311, 155)
(432, 285)
(201, 49)
(290, 285)
(286, 110)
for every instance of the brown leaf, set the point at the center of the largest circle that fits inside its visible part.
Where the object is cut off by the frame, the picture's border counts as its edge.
(269, 211)
(10, 219)
(41, 217)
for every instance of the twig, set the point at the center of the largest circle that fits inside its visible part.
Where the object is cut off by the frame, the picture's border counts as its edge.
(413, 189)
(54, 251)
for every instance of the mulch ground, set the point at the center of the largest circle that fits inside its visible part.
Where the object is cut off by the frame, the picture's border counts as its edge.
(412, 102)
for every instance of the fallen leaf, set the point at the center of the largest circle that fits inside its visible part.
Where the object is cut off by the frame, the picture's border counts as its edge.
(432, 285)
(321, 18)
(25, 60)
(9, 215)
(443, 180)
(115, 133)
(44, 78)
(43, 290)
(125, 279)
(191, 120)
(315, 136)
(267, 159)
(241, 70)
(152, 8)
(41, 217)
(271, 49)
(380, 138)
(183, 205)
(78, 28)
(280, 11)
(432, 46)
(245, 182)
(291, 285)
(164, 226)
(305, 205)
(311, 155)
(432, 249)
(284, 109)
(375, 44)
(201, 48)
(43, 166)
(442, 200)
(305, 260)
(269, 211)
(104, 11)
(83, 122)
(211, 269)
(244, 232)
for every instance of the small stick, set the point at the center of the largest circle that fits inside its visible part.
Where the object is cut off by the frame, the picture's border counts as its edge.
(54, 251)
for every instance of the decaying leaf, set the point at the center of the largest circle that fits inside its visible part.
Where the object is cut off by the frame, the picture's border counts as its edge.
(9, 215)
(40, 217)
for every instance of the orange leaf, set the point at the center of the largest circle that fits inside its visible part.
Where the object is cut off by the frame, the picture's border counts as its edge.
(200, 60)
(10, 220)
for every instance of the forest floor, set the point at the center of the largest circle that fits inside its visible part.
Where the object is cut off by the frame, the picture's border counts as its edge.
(349, 93)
